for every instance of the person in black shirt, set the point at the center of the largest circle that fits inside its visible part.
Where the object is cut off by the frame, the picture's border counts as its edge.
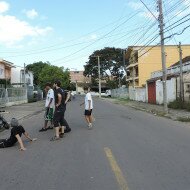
(65, 126)
(60, 107)
(16, 133)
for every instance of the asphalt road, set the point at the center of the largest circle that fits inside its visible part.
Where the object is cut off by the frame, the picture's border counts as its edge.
(127, 149)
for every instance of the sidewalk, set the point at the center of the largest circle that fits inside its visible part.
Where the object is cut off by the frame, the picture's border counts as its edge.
(179, 115)
(23, 111)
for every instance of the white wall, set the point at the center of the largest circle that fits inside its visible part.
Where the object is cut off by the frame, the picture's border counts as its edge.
(17, 76)
(120, 93)
(171, 91)
(140, 94)
(137, 94)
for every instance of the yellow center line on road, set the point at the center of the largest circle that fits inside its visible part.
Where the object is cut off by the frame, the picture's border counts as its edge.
(117, 171)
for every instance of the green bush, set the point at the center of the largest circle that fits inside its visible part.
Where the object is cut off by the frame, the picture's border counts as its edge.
(179, 104)
(176, 104)
(30, 100)
(187, 106)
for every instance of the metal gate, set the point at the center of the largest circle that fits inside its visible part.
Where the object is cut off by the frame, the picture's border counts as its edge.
(2, 97)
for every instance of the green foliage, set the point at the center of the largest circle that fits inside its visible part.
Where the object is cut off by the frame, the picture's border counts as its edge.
(183, 119)
(111, 61)
(51, 73)
(112, 84)
(72, 87)
(44, 72)
(36, 68)
(5, 83)
(179, 104)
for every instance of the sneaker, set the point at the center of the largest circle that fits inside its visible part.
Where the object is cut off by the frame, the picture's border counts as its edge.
(90, 126)
(61, 135)
(55, 138)
(42, 129)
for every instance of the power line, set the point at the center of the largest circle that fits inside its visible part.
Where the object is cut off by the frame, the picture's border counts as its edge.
(148, 9)
(97, 39)
(178, 33)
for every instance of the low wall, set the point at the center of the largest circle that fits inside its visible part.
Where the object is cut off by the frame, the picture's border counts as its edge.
(171, 91)
(120, 93)
(13, 96)
(137, 94)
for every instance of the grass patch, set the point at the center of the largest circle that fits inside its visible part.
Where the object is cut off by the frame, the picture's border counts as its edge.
(178, 104)
(183, 119)
(123, 99)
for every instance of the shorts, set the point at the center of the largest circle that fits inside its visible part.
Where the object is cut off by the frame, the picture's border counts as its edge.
(48, 116)
(88, 113)
(58, 118)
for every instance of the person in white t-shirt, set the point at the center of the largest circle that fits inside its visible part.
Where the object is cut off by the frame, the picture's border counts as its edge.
(88, 102)
(49, 107)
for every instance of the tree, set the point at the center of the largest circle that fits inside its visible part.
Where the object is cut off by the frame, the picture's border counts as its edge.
(111, 61)
(36, 68)
(51, 73)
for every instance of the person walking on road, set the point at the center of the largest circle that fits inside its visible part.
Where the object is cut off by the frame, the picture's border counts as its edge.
(16, 133)
(49, 107)
(88, 102)
(66, 127)
(60, 107)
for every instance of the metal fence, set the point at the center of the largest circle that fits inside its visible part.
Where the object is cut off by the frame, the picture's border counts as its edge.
(16, 94)
(12, 96)
(2, 97)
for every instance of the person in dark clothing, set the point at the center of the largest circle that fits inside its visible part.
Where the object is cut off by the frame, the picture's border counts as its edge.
(60, 107)
(66, 126)
(16, 133)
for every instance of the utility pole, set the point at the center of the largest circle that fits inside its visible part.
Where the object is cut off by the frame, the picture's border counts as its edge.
(181, 73)
(164, 70)
(99, 76)
(24, 75)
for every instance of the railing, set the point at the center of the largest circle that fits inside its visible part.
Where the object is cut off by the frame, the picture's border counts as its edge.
(12, 95)
(2, 97)
(172, 70)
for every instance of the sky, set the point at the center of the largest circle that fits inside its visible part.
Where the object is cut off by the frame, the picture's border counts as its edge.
(66, 33)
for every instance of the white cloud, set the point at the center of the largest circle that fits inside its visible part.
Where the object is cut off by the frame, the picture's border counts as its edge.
(93, 37)
(185, 12)
(89, 38)
(148, 15)
(135, 5)
(4, 6)
(13, 30)
(31, 14)
(138, 6)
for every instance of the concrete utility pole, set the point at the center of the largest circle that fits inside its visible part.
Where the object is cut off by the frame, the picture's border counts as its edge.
(99, 76)
(24, 75)
(164, 70)
(181, 73)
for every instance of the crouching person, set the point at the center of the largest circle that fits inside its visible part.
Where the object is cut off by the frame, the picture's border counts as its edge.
(16, 133)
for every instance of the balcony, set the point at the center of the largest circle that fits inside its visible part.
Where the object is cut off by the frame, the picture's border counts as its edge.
(131, 65)
(131, 78)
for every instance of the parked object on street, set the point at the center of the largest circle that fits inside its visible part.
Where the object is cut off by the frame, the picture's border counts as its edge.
(3, 123)
(108, 93)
